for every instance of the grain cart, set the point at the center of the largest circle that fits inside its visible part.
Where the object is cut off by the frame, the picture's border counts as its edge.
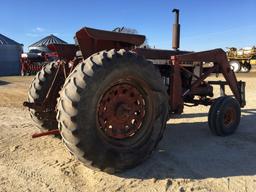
(112, 106)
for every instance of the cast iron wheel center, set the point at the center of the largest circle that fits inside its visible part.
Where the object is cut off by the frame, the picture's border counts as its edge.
(121, 111)
(229, 117)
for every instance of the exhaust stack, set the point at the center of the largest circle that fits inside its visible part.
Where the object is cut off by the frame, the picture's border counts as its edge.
(176, 30)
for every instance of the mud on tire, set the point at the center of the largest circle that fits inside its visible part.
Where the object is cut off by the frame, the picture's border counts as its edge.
(37, 93)
(96, 103)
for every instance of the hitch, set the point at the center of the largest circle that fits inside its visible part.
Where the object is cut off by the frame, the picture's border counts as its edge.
(35, 106)
(51, 132)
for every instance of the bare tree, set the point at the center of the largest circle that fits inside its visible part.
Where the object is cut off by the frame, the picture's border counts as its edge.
(132, 31)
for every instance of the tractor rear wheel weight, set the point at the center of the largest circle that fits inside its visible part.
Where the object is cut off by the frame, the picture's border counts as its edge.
(224, 116)
(113, 110)
(37, 93)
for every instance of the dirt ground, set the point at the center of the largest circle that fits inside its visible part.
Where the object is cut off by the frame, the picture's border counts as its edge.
(189, 158)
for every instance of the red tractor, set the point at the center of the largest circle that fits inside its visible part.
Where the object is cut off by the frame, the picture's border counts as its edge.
(111, 103)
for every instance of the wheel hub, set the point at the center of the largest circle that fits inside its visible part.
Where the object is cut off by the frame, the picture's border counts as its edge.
(121, 111)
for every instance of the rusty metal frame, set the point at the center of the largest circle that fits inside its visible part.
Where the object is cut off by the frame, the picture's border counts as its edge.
(218, 57)
(177, 94)
(91, 41)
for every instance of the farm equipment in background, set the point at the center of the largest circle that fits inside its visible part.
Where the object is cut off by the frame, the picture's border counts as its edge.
(33, 61)
(111, 103)
(241, 60)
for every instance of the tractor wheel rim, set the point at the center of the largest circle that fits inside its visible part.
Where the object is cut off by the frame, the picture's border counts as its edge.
(229, 117)
(121, 111)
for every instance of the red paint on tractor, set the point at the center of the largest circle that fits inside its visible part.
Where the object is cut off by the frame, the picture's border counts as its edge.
(52, 132)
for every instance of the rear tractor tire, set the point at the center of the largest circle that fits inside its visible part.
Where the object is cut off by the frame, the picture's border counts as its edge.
(112, 110)
(235, 65)
(224, 116)
(37, 93)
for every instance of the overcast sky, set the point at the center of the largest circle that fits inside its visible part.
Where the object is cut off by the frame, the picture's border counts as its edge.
(205, 24)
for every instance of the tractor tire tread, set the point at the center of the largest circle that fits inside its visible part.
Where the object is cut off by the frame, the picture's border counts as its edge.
(37, 92)
(77, 82)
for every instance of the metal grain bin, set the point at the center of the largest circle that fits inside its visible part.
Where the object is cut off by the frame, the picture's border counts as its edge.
(41, 45)
(10, 52)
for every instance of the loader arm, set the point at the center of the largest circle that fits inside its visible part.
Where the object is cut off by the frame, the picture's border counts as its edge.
(219, 58)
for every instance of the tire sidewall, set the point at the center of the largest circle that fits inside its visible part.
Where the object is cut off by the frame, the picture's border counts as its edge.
(221, 128)
(37, 93)
(106, 77)
(212, 115)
